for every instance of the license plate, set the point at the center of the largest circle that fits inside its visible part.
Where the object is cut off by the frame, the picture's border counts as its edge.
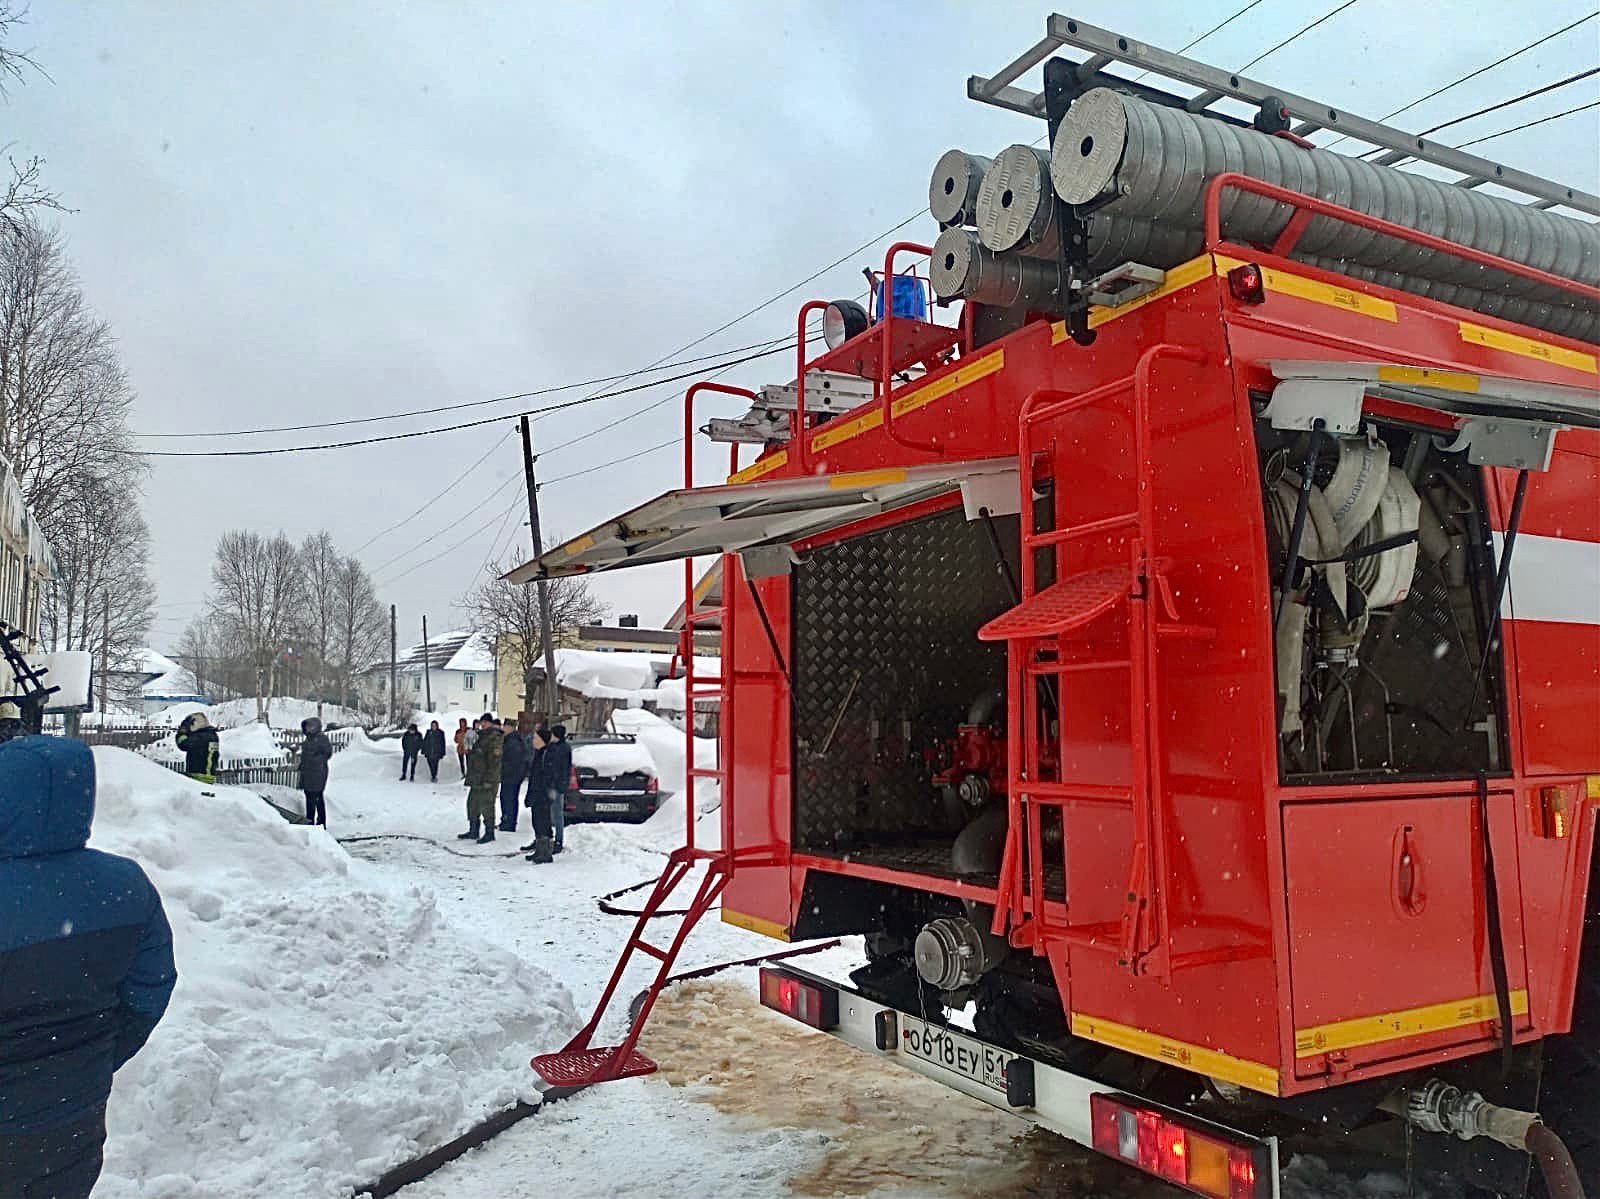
(943, 1047)
(613, 807)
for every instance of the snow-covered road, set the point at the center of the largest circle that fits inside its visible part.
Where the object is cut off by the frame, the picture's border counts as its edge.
(747, 1104)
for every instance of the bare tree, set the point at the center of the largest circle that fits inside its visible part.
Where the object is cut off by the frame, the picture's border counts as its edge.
(509, 613)
(24, 193)
(257, 583)
(102, 599)
(64, 400)
(360, 628)
(199, 651)
(320, 568)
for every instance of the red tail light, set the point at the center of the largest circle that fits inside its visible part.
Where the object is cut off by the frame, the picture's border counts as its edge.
(572, 783)
(806, 1002)
(1247, 284)
(652, 785)
(1203, 1162)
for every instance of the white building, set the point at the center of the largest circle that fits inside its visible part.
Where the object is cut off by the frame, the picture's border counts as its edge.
(456, 671)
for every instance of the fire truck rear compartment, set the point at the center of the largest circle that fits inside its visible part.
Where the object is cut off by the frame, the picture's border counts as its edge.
(887, 663)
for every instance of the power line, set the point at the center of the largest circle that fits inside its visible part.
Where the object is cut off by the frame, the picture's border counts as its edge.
(472, 424)
(426, 504)
(660, 364)
(1530, 124)
(1295, 36)
(1217, 28)
(503, 484)
(1528, 95)
(589, 470)
(453, 546)
(1439, 91)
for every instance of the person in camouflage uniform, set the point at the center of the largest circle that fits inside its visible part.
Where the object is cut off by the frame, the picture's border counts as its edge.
(483, 780)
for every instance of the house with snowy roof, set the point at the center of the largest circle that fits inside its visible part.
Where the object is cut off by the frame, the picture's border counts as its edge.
(455, 669)
(149, 682)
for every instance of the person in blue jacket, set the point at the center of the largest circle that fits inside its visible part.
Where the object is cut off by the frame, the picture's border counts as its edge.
(85, 970)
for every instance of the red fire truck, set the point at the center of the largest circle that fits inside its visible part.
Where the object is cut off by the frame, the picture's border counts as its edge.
(1176, 650)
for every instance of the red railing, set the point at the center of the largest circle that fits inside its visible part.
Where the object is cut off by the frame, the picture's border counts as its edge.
(886, 350)
(1304, 205)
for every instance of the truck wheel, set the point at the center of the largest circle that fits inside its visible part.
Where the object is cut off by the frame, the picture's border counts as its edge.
(1570, 1094)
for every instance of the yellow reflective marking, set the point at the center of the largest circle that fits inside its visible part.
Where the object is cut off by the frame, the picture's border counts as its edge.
(1318, 292)
(837, 432)
(754, 924)
(763, 466)
(978, 368)
(1210, 1062)
(843, 430)
(1591, 787)
(1422, 376)
(1185, 274)
(866, 478)
(1528, 347)
(577, 545)
(1393, 1026)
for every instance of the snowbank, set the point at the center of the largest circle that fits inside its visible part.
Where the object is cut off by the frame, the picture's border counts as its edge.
(282, 712)
(328, 1022)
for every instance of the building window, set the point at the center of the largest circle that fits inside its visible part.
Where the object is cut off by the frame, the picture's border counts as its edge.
(468, 682)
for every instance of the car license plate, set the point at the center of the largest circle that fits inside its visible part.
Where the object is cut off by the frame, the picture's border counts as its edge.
(944, 1047)
(613, 807)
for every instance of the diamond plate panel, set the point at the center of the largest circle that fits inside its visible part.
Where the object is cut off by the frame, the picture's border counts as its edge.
(886, 663)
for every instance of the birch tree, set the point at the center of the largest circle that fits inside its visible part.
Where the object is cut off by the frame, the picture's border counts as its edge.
(256, 583)
(360, 627)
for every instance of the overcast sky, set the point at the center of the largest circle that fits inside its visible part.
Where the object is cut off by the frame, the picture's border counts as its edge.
(296, 212)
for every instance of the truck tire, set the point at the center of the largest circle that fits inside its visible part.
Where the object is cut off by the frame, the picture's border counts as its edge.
(1570, 1094)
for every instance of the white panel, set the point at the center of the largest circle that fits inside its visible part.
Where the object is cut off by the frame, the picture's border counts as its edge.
(1554, 579)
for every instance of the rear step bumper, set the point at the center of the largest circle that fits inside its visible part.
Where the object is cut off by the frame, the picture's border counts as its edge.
(1041, 1094)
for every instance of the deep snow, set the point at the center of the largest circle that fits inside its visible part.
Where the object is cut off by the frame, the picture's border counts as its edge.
(330, 1020)
(342, 1008)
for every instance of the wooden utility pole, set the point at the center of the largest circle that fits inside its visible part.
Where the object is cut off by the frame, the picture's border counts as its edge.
(427, 682)
(552, 690)
(105, 654)
(394, 655)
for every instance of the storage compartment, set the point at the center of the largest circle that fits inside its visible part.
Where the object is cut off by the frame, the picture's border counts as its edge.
(887, 667)
(1390, 947)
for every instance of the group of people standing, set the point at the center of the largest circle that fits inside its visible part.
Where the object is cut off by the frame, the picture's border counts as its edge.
(430, 747)
(503, 756)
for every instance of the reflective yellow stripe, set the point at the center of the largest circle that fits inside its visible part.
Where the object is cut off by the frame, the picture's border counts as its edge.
(1185, 274)
(1393, 1026)
(837, 432)
(577, 546)
(978, 368)
(765, 466)
(843, 430)
(1591, 786)
(1511, 343)
(1422, 376)
(866, 478)
(1210, 1062)
(754, 924)
(1318, 292)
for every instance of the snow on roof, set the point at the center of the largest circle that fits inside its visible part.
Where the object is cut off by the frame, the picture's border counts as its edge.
(149, 661)
(458, 649)
(178, 681)
(475, 653)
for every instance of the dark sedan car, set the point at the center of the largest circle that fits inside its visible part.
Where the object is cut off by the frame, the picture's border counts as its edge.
(613, 778)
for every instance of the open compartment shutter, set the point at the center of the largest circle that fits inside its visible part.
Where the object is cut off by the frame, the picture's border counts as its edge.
(690, 522)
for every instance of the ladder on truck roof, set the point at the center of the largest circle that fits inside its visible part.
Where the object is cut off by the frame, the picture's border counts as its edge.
(1106, 49)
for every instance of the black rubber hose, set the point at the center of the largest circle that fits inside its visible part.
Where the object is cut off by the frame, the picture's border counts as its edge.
(1561, 1179)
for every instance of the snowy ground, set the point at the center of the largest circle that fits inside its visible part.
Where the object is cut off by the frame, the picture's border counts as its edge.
(344, 1007)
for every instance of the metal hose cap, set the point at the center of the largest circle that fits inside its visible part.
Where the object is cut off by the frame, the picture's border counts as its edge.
(1088, 147)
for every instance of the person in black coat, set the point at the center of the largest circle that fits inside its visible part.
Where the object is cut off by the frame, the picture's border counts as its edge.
(86, 970)
(200, 746)
(410, 747)
(315, 751)
(514, 771)
(433, 749)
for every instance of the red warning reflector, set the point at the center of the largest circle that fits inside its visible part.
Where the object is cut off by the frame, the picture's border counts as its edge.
(1247, 284)
(1201, 1161)
(1552, 813)
(808, 1002)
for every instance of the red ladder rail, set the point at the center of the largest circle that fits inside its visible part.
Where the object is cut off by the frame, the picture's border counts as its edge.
(1141, 938)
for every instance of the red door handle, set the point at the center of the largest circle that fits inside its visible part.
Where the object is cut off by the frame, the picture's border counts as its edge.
(1410, 896)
